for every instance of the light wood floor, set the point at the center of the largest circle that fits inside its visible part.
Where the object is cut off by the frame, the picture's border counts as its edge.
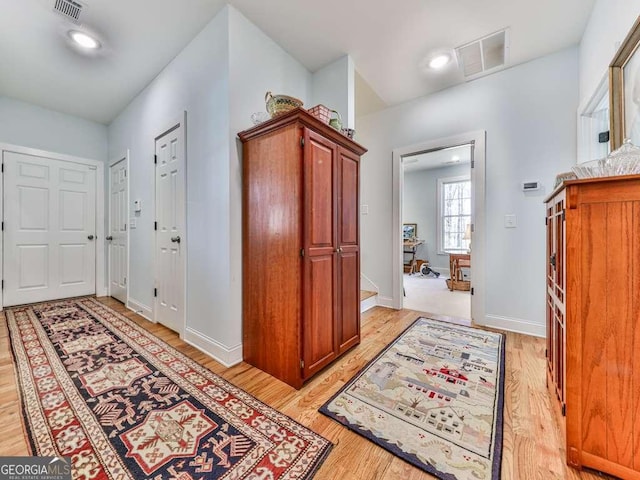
(533, 443)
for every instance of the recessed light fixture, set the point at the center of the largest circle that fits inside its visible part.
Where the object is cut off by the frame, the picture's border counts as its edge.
(455, 158)
(439, 61)
(84, 40)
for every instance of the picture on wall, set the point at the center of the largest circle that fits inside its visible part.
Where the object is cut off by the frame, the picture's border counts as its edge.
(409, 231)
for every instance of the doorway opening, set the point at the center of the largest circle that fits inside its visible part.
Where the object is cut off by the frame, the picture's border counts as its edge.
(436, 219)
(438, 215)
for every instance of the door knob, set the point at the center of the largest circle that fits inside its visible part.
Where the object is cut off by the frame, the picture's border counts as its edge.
(90, 237)
(175, 239)
(109, 238)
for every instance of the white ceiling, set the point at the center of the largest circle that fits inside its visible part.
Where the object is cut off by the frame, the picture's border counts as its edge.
(388, 41)
(446, 157)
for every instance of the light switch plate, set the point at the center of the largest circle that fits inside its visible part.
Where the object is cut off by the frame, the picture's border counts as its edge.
(132, 223)
(364, 209)
(510, 221)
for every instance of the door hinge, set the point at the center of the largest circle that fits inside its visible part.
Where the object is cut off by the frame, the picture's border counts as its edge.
(473, 227)
(3, 226)
(3, 168)
(2, 285)
(546, 353)
(473, 163)
(302, 142)
(472, 290)
(564, 214)
(302, 252)
(125, 227)
(564, 410)
(155, 225)
(155, 292)
(546, 221)
(155, 159)
(301, 363)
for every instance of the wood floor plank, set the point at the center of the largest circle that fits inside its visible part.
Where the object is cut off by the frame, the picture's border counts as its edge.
(532, 434)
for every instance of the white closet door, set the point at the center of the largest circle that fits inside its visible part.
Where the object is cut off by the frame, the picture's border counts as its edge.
(117, 237)
(170, 215)
(49, 229)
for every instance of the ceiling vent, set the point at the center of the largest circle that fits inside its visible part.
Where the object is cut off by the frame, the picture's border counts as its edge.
(484, 56)
(69, 9)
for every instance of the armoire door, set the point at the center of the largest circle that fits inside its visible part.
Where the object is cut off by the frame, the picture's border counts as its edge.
(320, 251)
(348, 291)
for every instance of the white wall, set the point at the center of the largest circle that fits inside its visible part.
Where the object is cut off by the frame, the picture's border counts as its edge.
(220, 79)
(195, 81)
(334, 87)
(528, 113)
(420, 206)
(608, 25)
(256, 65)
(36, 127)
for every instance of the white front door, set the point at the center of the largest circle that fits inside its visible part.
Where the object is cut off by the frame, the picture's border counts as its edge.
(170, 234)
(117, 232)
(49, 229)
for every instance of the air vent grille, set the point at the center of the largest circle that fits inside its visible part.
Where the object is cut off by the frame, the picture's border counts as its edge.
(69, 9)
(485, 55)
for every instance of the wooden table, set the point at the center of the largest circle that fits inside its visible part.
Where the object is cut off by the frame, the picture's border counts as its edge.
(458, 261)
(410, 247)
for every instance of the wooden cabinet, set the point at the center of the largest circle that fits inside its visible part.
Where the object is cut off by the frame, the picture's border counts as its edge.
(301, 249)
(593, 320)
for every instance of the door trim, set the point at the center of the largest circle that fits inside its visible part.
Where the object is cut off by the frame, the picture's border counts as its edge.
(176, 123)
(478, 139)
(101, 286)
(124, 156)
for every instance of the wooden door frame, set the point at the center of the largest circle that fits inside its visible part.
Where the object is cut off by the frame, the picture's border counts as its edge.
(101, 287)
(478, 140)
(119, 158)
(180, 121)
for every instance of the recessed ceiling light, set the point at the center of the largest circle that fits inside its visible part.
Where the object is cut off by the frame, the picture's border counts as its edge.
(439, 61)
(455, 158)
(84, 40)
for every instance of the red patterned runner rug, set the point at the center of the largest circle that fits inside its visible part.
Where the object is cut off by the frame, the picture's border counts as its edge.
(123, 404)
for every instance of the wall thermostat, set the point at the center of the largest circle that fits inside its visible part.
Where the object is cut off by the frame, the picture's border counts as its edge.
(530, 186)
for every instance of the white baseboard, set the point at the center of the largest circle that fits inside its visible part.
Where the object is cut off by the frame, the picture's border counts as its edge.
(140, 308)
(368, 304)
(385, 302)
(514, 325)
(219, 352)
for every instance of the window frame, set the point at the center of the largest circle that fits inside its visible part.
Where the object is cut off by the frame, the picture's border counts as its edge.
(440, 210)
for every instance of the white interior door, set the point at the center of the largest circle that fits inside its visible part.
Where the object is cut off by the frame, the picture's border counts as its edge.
(170, 241)
(117, 233)
(49, 229)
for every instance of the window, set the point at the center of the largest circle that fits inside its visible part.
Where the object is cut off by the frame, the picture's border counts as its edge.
(454, 207)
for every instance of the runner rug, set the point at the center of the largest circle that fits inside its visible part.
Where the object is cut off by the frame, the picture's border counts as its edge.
(125, 405)
(433, 397)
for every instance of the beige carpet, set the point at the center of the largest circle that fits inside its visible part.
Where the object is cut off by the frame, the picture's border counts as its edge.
(431, 295)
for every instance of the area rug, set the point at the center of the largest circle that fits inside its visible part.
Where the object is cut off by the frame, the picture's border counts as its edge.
(434, 398)
(124, 405)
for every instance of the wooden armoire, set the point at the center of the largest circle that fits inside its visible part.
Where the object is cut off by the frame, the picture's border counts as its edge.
(301, 245)
(593, 320)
